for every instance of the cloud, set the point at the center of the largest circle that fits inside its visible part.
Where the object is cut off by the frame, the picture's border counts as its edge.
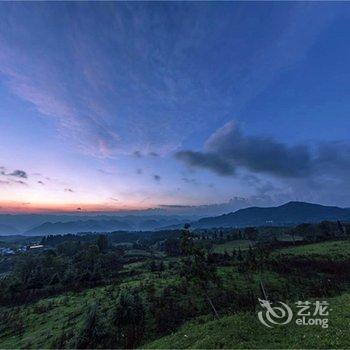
(21, 182)
(19, 173)
(36, 80)
(139, 171)
(114, 199)
(189, 181)
(13, 177)
(209, 161)
(175, 206)
(144, 199)
(97, 86)
(137, 154)
(228, 148)
(156, 178)
(277, 172)
(16, 173)
(153, 154)
(231, 205)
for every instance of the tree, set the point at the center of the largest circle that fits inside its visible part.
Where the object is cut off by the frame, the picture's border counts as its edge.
(93, 333)
(167, 313)
(186, 243)
(102, 243)
(251, 233)
(128, 320)
(197, 269)
(172, 247)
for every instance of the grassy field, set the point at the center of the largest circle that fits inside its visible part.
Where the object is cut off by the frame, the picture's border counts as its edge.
(323, 248)
(44, 321)
(243, 331)
(230, 246)
(40, 324)
(334, 250)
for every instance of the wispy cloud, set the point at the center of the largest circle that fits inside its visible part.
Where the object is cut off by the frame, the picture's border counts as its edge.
(153, 154)
(96, 85)
(15, 173)
(12, 177)
(20, 182)
(189, 181)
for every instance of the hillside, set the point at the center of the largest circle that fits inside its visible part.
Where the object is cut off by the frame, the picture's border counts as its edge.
(286, 214)
(243, 331)
(64, 308)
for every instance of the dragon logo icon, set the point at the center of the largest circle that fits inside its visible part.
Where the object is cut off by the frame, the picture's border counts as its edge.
(274, 315)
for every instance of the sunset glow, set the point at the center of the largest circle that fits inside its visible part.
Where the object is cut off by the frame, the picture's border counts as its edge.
(163, 110)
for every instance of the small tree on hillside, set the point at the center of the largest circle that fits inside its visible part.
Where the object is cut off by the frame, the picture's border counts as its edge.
(128, 320)
(251, 233)
(102, 243)
(197, 269)
(92, 333)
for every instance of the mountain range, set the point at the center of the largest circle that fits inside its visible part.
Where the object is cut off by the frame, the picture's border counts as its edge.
(291, 213)
(287, 214)
(129, 223)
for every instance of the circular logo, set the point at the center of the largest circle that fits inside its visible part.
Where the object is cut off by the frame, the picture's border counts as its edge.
(274, 315)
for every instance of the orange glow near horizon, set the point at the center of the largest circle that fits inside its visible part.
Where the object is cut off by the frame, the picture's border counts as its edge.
(13, 207)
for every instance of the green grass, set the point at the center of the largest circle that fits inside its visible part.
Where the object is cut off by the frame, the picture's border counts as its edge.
(230, 246)
(41, 328)
(334, 250)
(143, 253)
(43, 321)
(284, 237)
(243, 331)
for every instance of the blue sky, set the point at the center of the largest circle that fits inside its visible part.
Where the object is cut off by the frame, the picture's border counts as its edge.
(109, 106)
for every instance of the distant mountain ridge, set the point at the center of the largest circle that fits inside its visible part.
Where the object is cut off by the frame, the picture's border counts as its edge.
(8, 230)
(103, 225)
(286, 214)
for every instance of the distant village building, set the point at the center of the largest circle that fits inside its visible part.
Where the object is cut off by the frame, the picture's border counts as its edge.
(36, 246)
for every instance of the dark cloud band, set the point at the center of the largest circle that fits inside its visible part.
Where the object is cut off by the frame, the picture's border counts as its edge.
(228, 148)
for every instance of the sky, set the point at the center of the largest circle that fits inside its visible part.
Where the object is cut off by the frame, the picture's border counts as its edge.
(109, 106)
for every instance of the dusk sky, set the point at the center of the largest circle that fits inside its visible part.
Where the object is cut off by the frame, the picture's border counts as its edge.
(109, 106)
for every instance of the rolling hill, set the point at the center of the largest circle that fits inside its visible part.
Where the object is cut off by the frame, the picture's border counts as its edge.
(244, 331)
